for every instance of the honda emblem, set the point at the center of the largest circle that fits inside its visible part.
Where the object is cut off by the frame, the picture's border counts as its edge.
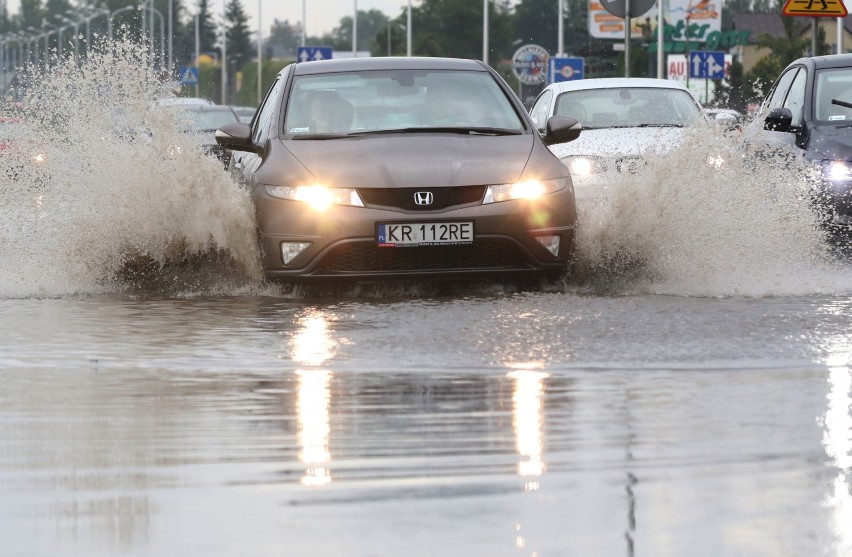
(423, 198)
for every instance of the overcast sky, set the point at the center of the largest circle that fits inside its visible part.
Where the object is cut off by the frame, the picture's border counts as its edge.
(321, 15)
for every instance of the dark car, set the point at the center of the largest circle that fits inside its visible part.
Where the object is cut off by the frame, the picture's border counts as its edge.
(403, 167)
(808, 114)
(203, 120)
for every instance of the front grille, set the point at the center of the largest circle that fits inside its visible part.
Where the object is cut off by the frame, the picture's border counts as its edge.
(630, 164)
(367, 257)
(403, 198)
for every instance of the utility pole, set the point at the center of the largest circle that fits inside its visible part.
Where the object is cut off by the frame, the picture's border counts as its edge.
(260, 52)
(485, 31)
(224, 59)
(197, 54)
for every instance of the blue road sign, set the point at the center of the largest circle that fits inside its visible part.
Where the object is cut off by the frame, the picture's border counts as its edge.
(313, 53)
(706, 64)
(189, 75)
(565, 69)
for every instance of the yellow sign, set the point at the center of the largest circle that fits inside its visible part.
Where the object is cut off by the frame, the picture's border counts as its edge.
(814, 8)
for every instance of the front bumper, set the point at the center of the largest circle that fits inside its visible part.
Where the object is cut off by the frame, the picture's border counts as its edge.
(344, 244)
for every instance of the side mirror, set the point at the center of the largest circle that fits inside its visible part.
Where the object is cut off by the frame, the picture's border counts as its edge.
(561, 129)
(778, 120)
(727, 121)
(236, 136)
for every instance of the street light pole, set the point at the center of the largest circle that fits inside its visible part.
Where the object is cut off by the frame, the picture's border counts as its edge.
(408, 32)
(485, 4)
(260, 52)
(355, 31)
(560, 29)
(171, 35)
(197, 53)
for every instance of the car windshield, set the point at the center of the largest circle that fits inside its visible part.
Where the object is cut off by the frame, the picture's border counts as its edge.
(629, 107)
(381, 101)
(833, 93)
(206, 119)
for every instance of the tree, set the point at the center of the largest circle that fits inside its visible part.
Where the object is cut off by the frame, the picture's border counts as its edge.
(369, 24)
(537, 21)
(206, 27)
(31, 14)
(285, 35)
(453, 28)
(237, 34)
(782, 51)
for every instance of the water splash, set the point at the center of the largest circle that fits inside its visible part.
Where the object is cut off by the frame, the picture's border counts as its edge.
(122, 187)
(126, 201)
(705, 220)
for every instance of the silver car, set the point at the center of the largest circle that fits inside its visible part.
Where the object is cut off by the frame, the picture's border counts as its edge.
(404, 168)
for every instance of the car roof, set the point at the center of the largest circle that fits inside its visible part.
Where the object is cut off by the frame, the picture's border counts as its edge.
(387, 63)
(612, 82)
(824, 62)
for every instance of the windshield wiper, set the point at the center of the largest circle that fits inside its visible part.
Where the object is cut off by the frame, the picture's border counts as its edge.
(469, 130)
(659, 126)
(841, 103)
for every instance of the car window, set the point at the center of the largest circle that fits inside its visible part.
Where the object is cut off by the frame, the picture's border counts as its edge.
(779, 92)
(629, 107)
(206, 119)
(795, 100)
(541, 108)
(833, 84)
(265, 112)
(380, 100)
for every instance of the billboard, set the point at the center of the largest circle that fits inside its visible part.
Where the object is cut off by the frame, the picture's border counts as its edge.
(685, 19)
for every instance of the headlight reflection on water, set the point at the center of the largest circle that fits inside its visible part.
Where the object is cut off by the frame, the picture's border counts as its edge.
(313, 410)
(313, 346)
(837, 442)
(527, 418)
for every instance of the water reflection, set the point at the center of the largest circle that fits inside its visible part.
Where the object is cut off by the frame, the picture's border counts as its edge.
(527, 420)
(837, 441)
(313, 345)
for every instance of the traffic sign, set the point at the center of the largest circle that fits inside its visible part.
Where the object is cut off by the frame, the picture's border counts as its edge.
(189, 75)
(814, 8)
(565, 69)
(618, 8)
(530, 64)
(706, 64)
(313, 53)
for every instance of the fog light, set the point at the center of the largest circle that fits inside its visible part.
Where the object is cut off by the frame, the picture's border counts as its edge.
(291, 250)
(550, 243)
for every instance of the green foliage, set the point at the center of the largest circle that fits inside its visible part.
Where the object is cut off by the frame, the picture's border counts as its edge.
(237, 34)
(453, 28)
(247, 93)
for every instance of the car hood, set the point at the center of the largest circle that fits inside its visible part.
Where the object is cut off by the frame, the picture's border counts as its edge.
(414, 161)
(622, 141)
(831, 142)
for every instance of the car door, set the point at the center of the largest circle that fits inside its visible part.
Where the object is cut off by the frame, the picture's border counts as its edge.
(541, 109)
(768, 143)
(262, 127)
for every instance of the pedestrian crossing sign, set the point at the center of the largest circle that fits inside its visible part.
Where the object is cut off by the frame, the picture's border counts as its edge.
(814, 8)
(189, 75)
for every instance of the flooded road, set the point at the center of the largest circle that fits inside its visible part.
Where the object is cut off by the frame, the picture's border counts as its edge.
(542, 423)
(685, 392)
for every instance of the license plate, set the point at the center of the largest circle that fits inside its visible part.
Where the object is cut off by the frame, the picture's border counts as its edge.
(393, 235)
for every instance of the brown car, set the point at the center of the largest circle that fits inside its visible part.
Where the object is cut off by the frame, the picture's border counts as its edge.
(404, 168)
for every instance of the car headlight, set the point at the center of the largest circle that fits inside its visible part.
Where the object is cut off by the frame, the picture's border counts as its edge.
(529, 189)
(585, 166)
(837, 171)
(317, 197)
